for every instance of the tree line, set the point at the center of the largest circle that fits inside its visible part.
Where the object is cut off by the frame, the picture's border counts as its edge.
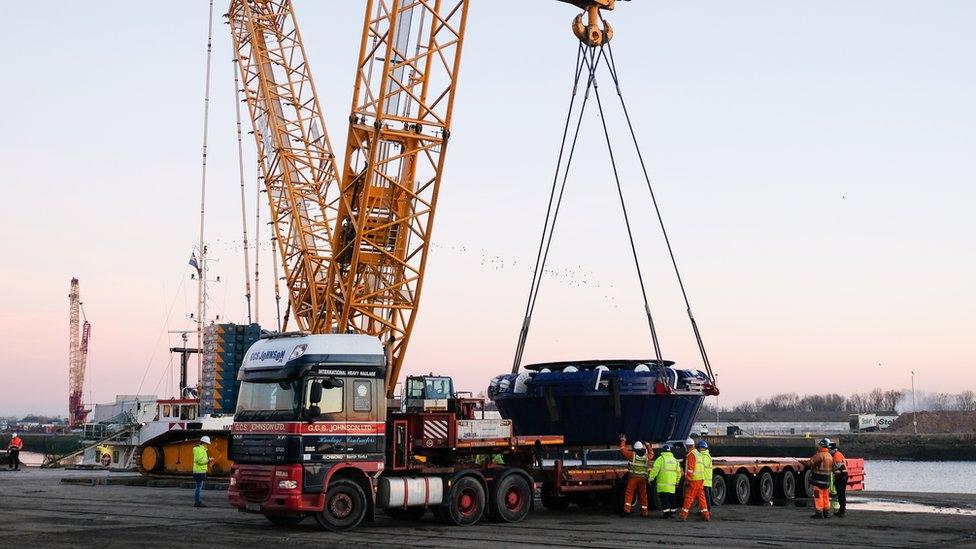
(876, 400)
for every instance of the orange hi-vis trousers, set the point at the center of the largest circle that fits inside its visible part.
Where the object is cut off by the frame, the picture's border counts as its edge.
(639, 484)
(821, 498)
(694, 489)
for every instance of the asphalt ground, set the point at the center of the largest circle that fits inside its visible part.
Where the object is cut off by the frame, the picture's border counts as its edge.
(38, 510)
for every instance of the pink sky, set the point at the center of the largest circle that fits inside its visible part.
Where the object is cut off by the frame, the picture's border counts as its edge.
(818, 189)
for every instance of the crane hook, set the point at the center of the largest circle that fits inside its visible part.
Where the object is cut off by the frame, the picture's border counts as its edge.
(589, 32)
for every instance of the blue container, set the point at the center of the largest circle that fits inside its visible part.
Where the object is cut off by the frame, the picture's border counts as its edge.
(590, 403)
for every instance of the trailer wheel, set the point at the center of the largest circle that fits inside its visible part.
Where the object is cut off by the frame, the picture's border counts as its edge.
(741, 488)
(807, 487)
(719, 490)
(551, 501)
(410, 513)
(466, 503)
(512, 499)
(763, 492)
(786, 487)
(279, 520)
(345, 506)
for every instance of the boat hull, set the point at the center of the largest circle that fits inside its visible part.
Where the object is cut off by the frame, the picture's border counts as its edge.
(589, 407)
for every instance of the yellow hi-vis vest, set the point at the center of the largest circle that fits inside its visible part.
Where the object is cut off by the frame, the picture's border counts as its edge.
(666, 472)
(699, 472)
(199, 459)
(706, 459)
(638, 466)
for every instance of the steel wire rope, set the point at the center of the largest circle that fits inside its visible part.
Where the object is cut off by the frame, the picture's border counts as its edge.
(240, 168)
(552, 213)
(691, 317)
(630, 233)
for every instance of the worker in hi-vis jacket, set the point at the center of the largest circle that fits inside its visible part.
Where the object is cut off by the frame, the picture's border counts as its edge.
(637, 470)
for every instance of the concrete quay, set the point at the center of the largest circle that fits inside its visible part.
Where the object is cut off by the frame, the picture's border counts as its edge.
(37, 509)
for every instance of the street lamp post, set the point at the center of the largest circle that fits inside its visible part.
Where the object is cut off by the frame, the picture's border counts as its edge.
(914, 406)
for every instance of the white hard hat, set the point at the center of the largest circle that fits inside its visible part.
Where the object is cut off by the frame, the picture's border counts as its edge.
(638, 445)
(14, 435)
(205, 439)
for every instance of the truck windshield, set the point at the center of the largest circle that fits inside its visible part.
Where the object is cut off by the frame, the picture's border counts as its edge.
(265, 401)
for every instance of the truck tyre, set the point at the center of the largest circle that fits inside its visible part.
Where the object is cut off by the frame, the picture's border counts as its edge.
(719, 490)
(512, 499)
(762, 492)
(410, 513)
(741, 488)
(345, 506)
(279, 520)
(553, 502)
(807, 487)
(786, 487)
(466, 503)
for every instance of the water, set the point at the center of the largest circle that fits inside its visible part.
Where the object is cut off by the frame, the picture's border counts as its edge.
(947, 477)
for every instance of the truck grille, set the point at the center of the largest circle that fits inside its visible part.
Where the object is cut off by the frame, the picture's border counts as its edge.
(255, 484)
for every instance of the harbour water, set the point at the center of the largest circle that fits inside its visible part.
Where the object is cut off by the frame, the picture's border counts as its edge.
(946, 477)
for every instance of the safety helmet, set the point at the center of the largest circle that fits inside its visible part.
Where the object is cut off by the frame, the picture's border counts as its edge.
(638, 446)
(702, 445)
(665, 447)
(205, 439)
(14, 435)
(825, 442)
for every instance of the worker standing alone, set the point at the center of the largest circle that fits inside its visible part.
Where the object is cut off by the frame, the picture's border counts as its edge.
(666, 472)
(821, 465)
(636, 476)
(840, 478)
(694, 485)
(13, 452)
(201, 461)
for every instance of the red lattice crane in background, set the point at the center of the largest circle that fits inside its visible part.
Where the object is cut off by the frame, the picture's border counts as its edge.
(79, 332)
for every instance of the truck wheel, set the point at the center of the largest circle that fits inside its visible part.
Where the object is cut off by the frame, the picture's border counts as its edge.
(741, 489)
(551, 501)
(466, 503)
(512, 499)
(410, 513)
(279, 520)
(807, 487)
(719, 490)
(786, 487)
(345, 506)
(763, 491)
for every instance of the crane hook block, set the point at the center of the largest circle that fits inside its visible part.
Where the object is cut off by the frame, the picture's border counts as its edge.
(589, 31)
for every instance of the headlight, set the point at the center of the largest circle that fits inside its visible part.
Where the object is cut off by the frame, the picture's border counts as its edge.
(287, 484)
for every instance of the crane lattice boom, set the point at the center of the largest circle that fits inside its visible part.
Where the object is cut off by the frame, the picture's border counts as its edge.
(77, 356)
(354, 248)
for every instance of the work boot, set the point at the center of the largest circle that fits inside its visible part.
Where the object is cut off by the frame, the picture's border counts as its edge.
(198, 504)
(839, 514)
(817, 515)
(707, 516)
(826, 514)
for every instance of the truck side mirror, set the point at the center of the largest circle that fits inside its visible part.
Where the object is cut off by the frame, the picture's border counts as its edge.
(315, 393)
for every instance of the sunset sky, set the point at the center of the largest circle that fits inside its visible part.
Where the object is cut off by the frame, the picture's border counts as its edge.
(815, 163)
